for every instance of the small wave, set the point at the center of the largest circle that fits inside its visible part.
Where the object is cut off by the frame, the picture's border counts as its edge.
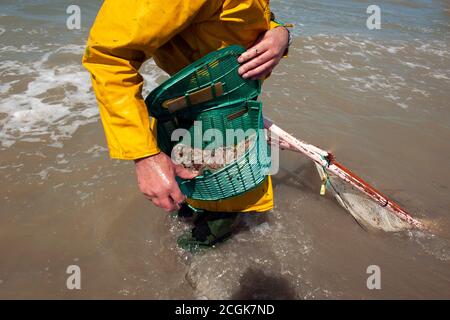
(400, 71)
(402, 105)
(440, 76)
(394, 49)
(26, 48)
(414, 65)
(97, 151)
(53, 102)
(437, 49)
(46, 100)
(432, 244)
(44, 174)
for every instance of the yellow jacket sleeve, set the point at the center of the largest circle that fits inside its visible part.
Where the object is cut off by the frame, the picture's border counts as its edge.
(124, 35)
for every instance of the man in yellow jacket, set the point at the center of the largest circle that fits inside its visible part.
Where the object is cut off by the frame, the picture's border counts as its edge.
(175, 34)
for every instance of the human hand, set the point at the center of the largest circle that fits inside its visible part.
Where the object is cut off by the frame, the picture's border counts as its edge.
(259, 61)
(156, 180)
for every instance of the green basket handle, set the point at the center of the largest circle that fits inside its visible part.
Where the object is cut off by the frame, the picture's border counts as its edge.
(193, 98)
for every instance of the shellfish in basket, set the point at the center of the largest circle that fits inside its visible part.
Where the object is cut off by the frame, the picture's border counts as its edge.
(199, 160)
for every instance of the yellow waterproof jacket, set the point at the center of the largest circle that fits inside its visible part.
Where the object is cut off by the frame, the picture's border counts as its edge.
(174, 33)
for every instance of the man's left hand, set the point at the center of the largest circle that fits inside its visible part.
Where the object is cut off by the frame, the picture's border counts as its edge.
(259, 61)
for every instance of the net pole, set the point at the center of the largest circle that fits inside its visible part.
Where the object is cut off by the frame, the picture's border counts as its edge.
(327, 161)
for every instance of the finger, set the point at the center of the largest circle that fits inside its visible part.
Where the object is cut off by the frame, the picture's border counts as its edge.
(256, 62)
(253, 52)
(260, 71)
(168, 205)
(148, 197)
(155, 201)
(184, 173)
(177, 196)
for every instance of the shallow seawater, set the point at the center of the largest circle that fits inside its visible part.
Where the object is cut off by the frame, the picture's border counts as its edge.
(377, 99)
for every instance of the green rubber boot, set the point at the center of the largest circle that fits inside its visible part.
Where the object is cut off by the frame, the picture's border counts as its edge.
(210, 228)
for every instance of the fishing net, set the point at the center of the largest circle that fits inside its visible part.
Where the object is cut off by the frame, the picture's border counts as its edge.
(368, 213)
(368, 206)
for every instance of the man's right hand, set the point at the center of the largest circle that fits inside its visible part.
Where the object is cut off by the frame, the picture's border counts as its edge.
(156, 179)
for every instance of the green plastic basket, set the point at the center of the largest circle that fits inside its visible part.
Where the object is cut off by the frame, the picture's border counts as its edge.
(210, 81)
(211, 92)
(244, 173)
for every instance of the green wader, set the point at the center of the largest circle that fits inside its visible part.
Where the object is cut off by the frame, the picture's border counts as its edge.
(209, 229)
